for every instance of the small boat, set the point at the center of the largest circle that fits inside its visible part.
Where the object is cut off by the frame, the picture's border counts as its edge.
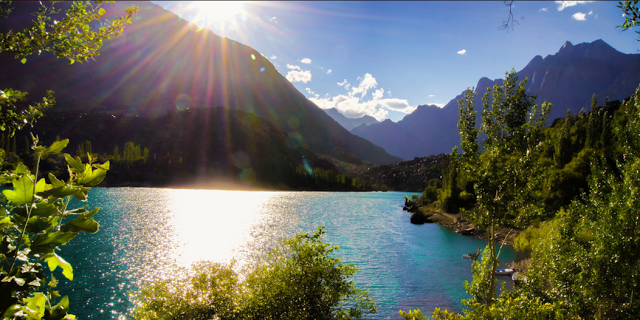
(470, 256)
(504, 272)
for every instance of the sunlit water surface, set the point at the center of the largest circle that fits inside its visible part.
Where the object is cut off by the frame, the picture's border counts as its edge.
(148, 233)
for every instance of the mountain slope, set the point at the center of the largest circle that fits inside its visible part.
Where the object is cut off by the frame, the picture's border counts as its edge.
(567, 79)
(161, 63)
(230, 147)
(349, 123)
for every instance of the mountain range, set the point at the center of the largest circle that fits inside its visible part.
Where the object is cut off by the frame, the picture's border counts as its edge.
(568, 79)
(349, 123)
(161, 65)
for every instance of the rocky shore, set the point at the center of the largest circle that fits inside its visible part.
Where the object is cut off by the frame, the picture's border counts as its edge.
(421, 214)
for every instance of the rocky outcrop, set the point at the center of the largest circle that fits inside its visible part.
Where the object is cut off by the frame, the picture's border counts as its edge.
(421, 214)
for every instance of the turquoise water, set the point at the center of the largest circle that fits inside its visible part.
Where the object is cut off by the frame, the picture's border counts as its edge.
(147, 233)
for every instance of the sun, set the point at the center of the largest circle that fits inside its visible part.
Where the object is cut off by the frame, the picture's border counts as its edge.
(217, 10)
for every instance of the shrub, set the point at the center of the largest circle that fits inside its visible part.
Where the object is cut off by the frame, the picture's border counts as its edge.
(299, 279)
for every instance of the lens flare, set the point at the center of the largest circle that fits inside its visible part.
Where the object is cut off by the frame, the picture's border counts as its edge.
(183, 102)
(307, 166)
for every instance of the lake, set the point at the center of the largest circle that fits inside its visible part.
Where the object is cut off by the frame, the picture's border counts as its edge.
(147, 233)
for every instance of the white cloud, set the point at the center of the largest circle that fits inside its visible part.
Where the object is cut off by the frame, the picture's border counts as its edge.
(567, 4)
(366, 82)
(354, 103)
(401, 105)
(590, 12)
(273, 57)
(274, 20)
(462, 52)
(431, 95)
(297, 74)
(544, 10)
(329, 71)
(306, 61)
(580, 16)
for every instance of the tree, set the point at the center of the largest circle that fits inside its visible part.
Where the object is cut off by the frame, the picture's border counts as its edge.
(506, 168)
(35, 216)
(299, 279)
(72, 37)
(631, 14)
(35, 220)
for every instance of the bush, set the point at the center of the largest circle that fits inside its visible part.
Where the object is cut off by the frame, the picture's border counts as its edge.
(300, 279)
(211, 291)
(450, 204)
(430, 194)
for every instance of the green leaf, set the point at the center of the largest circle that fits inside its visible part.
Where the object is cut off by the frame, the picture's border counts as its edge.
(82, 194)
(56, 147)
(76, 164)
(22, 192)
(55, 182)
(56, 239)
(60, 192)
(91, 177)
(11, 311)
(41, 209)
(55, 261)
(35, 306)
(83, 223)
(5, 222)
(38, 224)
(60, 310)
(22, 169)
(101, 11)
(24, 60)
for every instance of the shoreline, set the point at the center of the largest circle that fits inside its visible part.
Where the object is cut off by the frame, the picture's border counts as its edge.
(456, 222)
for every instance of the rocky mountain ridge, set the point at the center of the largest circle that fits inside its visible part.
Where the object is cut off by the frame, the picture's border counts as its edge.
(568, 79)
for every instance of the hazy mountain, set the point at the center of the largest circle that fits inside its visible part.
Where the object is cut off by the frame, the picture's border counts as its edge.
(208, 147)
(419, 133)
(567, 79)
(349, 123)
(161, 63)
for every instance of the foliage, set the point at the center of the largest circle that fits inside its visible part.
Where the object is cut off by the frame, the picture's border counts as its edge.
(299, 279)
(302, 280)
(585, 263)
(327, 179)
(211, 292)
(412, 315)
(71, 38)
(591, 262)
(512, 125)
(35, 220)
(631, 14)
(35, 217)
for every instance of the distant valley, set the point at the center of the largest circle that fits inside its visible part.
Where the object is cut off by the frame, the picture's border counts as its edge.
(350, 123)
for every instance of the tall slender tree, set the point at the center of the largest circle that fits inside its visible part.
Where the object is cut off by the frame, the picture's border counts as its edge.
(503, 164)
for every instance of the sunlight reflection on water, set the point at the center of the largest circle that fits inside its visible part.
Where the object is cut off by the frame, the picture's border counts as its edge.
(212, 225)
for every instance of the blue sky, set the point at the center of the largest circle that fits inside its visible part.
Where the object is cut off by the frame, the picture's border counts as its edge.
(383, 59)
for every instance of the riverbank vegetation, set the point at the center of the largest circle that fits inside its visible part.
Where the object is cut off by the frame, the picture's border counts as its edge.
(584, 260)
(572, 191)
(299, 279)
